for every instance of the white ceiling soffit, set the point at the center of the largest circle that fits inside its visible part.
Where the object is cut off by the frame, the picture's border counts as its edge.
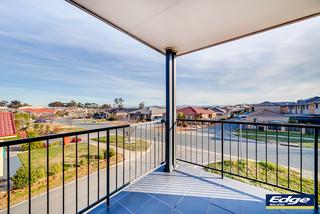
(190, 25)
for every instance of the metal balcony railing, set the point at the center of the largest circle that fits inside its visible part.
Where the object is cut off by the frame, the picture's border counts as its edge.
(248, 150)
(93, 165)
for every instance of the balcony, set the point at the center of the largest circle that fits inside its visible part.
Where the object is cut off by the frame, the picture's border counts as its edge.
(180, 166)
(222, 167)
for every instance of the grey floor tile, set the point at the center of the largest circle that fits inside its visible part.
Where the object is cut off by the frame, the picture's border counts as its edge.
(193, 205)
(169, 200)
(154, 206)
(134, 200)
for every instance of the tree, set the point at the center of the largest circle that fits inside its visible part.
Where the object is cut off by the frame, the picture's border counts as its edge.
(116, 102)
(141, 105)
(15, 104)
(72, 103)
(121, 101)
(3, 103)
(106, 106)
(56, 104)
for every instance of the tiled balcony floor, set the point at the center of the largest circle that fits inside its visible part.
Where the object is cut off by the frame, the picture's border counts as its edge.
(189, 189)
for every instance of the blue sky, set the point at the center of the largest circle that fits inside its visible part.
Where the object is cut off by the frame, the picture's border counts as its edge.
(51, 51)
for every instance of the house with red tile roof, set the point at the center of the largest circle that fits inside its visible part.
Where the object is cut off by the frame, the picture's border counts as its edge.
(7, 125)
(191, 112)
(39, 111)
(7, 129)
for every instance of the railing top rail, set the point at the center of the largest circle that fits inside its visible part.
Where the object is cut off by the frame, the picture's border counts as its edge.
(54, 136)
(68, 134)
(298, 125)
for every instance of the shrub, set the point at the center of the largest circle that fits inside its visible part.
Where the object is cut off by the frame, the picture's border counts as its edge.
(76, 140)
(55, 169)
(111, 153)
(33, 146)
(21, 178)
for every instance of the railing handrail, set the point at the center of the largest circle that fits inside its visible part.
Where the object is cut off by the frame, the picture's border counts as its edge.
(68, 134)
(298, 125)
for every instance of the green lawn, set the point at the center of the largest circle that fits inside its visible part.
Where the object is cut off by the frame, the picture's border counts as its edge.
(137, 145)
(39, 157)
(294, 182)
(271, 136)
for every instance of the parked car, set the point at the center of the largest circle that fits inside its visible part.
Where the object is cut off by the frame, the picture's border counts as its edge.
(40, 121)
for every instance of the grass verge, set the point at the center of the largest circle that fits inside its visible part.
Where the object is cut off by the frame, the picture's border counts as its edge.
(265, 172)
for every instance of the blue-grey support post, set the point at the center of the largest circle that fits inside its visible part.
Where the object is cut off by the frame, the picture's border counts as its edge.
(171, 114)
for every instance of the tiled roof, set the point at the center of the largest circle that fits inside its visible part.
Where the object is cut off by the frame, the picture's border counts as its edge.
(7, 125)
(265, 113)
(39, 110)
(194, 110)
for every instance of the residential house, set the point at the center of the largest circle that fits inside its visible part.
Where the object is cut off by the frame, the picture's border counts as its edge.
(148, 113)
(39, 111)
(218, 113)
(277, 107)
(7, 130)
(266, 116)
(120, 113)
(196, 113)
(310, 106)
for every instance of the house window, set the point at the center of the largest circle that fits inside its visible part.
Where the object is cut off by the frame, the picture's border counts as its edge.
(307, 106)
(317, 105)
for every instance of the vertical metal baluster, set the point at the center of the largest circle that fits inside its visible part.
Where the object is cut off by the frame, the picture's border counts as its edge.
(129, 140)
(288, 157)
(196, 142)
(215, 145)
(76, 173)
(88, 171)
(98, 166)
(154, 144)
(158, 144)
(185, 144)
(146, 155)
(135, 148)
(300, 159)
(208, 143)
(116, 159)
(277, 156)
(230, 147)
(266, 153)
(108, 168)
(180, 146)
(256, 152)
(48, 187)
(150, 145)
(222, 152)
(29, 172)
(316, 141)
(8, 179)
(202, 142)
(239, 150)
(190, 144)
(124, 159)
(247, 162)
(63, 176)
(141, 150)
